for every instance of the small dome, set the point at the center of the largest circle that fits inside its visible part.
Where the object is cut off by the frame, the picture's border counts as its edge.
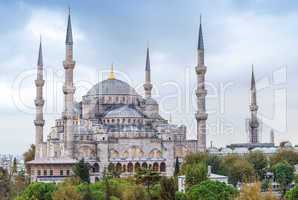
(150, 101)
(123, 112)
(112, 87)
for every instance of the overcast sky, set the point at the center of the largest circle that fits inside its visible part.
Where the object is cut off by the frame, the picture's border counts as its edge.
(237, 34)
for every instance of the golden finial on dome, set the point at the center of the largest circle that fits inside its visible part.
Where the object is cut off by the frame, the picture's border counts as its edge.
(111, 74)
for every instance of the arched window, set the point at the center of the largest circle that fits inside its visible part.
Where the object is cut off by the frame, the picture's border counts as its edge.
(130, 167)
(118, 167)
(95, 168)
(162, 167)
(137, 166)
(144, 165)
(155, 167)
(124, 168)
(111, 167)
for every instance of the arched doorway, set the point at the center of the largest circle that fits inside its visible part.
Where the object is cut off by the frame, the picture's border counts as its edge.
(130, 167)
(118, 167)
(95, 168)
(144, 165)
(155, 167)
(96, 179)
(162, 167)
(124, 168)
(137, 166)
(111, 167)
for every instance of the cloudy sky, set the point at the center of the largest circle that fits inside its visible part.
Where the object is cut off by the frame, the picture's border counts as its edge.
(237, 34)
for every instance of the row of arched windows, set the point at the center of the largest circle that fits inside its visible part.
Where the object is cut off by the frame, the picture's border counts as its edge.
(123, 121)
(130, 167)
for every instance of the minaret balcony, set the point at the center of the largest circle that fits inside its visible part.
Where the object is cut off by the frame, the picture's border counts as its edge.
(147, 86)
(253, 123)
(39, 102)
(69, 64)
(201, 69)
(39, 122)
(201, 116)
(253, 107)
(69, 89)
(39, 83)
(68, 114)
(201, 92)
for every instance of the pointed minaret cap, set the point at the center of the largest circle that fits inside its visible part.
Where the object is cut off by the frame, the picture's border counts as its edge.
(40, 60)
(68, 39)
(253, 82)
(147, 60)
(112, 74)
(200, 41)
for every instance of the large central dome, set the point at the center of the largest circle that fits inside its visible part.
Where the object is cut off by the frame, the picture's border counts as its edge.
(112, 87)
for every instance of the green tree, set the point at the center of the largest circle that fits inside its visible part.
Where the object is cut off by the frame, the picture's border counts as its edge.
(285, 155)
(167, 188)
(177, 167)
(259, 162)
(214, 161)
(212, 190)
(237, 169)
(28, 156)
(40, 191)
(180, 196)
(284, 174)
(14, 166)
(4, 184)
(66, 191)
(195, 173)
(292, 194)
(81, 170)
(148, 178)
(192, 159)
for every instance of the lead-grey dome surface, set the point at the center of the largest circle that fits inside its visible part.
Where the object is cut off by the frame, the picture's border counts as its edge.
(124, 111)
(112, 87)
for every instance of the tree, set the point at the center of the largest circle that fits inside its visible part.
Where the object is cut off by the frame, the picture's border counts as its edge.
(237, 169)
(285, 155)
(67, 191)
(211, 190)
(259, 162)
(14, 166)
(167, 188)
(40, 191)
(180, 196)
(195, 173)
(81, 170)
(214, 161)
(284, 175)
(177, 167)
(292, 194)
(253, 192)
(194, 158)
(4, 184)
(28, 156)
(148, 178)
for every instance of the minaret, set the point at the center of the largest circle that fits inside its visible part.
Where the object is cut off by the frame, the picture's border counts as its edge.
(272, 137)
(201, 92)
(253, 122)
(39, 102)
(68, 90)
(147, 84)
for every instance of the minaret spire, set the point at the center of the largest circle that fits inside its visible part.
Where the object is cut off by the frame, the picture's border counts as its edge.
(68, 90)
(39, 103)
(253, 122)
(147, 85)
(201, 92)
(68, 39)
(200, 40)
(112, 74)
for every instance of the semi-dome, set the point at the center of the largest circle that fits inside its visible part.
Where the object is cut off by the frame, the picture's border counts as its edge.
(124, 111)
(150, 101)
(112, 87)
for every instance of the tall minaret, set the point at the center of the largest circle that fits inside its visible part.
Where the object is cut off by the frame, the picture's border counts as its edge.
(253, 122)
(201, 92)
(39, 102)
(147, 84)
(272, 140)
(68, 90)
